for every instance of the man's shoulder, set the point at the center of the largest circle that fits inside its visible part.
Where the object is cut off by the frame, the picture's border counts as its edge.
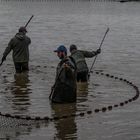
(13, 39)
(76, 52)
(27, 37)
(72, 60)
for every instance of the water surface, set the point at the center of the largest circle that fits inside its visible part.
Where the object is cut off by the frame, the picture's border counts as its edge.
(84, 24)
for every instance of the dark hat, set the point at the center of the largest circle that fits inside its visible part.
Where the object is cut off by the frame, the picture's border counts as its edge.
(22, 29)
(61, 48)
(73, 47)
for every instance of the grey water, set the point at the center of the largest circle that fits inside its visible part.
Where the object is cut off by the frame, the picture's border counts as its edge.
(72, 22)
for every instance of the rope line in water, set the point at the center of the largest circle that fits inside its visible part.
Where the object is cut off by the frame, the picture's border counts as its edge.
(97, 110)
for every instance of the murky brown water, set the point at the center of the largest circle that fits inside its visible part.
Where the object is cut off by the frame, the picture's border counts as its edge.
(82, 23)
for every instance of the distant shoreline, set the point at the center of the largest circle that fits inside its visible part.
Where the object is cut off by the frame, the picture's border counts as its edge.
(128, 0)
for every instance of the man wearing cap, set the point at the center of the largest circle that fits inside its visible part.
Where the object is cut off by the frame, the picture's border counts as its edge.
(79, 57)
(64, 89)
(19, 45)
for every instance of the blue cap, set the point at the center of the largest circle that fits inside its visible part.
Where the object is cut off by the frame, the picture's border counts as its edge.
(61, 48)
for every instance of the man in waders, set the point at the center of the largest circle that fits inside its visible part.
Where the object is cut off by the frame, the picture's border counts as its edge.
(64, 89)
(19, 45)
(79, 57)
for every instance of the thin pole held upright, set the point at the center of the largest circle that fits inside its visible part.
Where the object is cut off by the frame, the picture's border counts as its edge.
(29, 21)
(99, 48)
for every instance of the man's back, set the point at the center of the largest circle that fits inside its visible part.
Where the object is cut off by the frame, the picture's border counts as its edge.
(79, 58)
(19, 44)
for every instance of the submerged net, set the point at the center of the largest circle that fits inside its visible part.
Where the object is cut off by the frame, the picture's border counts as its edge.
(11, 128)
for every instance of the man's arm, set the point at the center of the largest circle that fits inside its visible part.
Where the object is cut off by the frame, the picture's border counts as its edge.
(89, 54)
(7, 50)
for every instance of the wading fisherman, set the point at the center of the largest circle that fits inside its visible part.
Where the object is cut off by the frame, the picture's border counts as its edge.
(19, 45)
(79, 57)
(64, 89)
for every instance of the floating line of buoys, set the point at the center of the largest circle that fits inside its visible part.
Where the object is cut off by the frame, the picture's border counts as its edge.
(81, 114)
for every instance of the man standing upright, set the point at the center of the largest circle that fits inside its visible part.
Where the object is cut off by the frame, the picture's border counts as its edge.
(19, 44)
(64, 89)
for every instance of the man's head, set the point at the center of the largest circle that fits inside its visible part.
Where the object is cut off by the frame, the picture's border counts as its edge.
(22, 30)
(61, 51)
(72, 47)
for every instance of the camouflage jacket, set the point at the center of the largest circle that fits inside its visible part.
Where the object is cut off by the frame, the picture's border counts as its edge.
(79, 57)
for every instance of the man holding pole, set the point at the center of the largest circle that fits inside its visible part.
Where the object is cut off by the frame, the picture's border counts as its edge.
(19, 45)
(65, 88)
(79, 57)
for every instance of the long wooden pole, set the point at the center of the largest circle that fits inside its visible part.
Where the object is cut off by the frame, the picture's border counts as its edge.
(99, 48)
(29, 21)
(54, 86)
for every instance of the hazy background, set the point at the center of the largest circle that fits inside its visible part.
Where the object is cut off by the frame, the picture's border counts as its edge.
(84, 24)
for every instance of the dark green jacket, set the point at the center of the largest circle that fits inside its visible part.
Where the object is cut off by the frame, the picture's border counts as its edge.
(69, 61)
(79, 57)
(19, 44)
(65, 87)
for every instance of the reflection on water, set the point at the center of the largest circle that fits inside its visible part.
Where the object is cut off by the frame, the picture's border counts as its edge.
(82, 91)
(11, 128)
(82, 88)
(20, 90)
(66, 128)
(82, 23)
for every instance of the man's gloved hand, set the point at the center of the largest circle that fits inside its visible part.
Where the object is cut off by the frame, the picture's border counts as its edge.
(98, 51)
(3, 58)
